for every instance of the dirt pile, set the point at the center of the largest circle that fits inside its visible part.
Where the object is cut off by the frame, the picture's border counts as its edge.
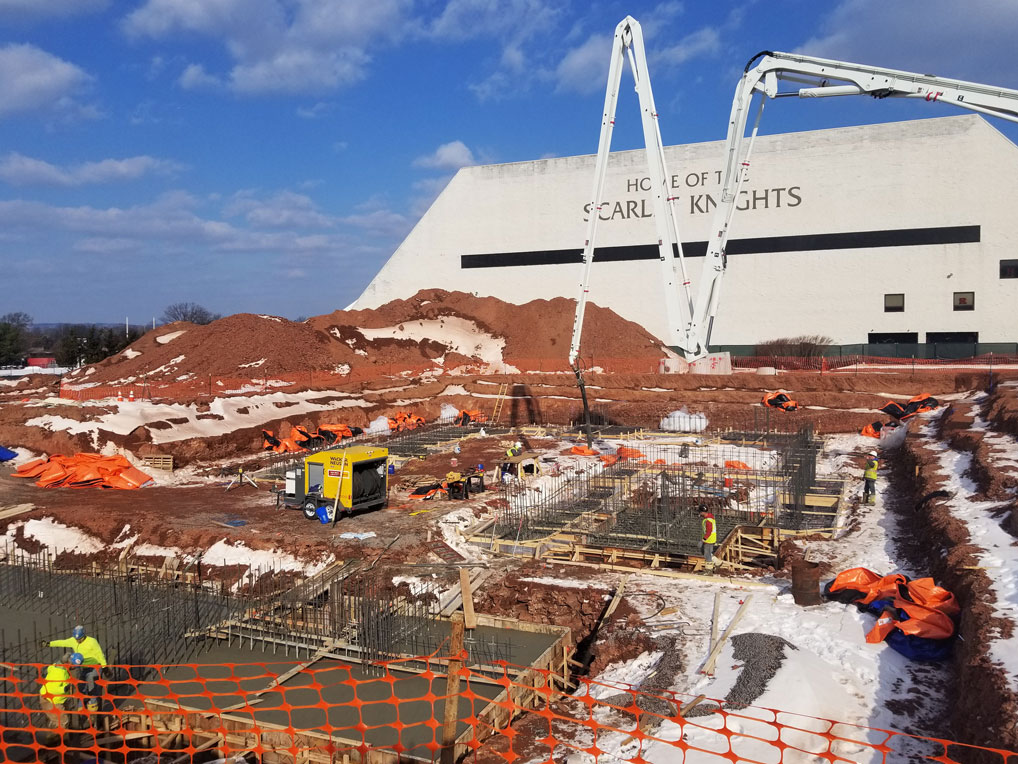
(450, 329)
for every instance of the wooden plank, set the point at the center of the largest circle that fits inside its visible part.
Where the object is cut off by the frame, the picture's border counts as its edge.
(708, 667)
(714, 621)
(14, 511)
(452, 691)
(617, 598)
(469, 617)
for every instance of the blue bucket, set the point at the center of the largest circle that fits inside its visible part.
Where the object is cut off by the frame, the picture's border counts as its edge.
(323, 515)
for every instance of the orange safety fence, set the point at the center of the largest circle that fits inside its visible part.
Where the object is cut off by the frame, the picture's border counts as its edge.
(285, 712)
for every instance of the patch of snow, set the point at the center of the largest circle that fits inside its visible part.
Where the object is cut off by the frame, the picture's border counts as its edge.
(565, 583)
(237, 553)
(126, 416)
(259, 362)
(56, 536)
(271, 318)
(169, 337)
(454, 390)
(128, 353)
(378, 426)
(459, 335)
(342, 368)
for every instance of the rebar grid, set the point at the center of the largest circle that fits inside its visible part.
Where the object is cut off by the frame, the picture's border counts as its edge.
(342, 610)
(646, 496)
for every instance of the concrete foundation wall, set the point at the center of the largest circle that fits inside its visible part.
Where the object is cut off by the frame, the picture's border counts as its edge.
(934, 175)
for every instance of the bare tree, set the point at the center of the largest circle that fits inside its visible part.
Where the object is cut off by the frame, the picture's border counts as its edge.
(188, 311)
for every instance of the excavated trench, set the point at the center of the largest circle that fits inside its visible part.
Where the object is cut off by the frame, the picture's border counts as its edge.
(984, 709)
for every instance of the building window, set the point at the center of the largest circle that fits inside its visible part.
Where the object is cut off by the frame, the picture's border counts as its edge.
(894, 303)
(1009, 269)
(964, 300)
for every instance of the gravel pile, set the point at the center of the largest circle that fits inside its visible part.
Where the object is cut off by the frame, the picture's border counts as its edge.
(761, 655)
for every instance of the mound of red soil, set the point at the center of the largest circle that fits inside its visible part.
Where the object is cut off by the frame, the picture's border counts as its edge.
(251, 346)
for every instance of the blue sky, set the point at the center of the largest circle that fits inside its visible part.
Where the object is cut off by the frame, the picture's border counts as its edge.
(268, 156)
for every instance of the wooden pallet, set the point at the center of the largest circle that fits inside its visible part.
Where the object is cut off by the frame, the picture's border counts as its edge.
(158, 462)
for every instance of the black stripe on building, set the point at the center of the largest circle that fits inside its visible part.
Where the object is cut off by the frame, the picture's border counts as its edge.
(817, 242)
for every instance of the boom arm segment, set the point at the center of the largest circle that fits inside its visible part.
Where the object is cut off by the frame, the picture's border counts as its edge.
(823, 77)
(628, 43)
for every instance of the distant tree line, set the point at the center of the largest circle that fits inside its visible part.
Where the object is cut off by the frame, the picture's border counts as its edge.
(77, 344)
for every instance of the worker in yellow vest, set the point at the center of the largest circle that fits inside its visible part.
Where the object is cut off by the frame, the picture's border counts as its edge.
(92, 661)
(708, 537)
(54, 691)
(869, 477)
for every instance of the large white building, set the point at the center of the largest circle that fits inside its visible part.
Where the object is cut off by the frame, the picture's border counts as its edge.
(905, 231)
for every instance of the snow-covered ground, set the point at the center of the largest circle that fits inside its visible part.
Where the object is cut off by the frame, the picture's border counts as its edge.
(57, 538)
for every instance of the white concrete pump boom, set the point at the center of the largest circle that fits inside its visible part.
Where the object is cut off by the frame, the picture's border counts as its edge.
(824, 78)
(628, 43)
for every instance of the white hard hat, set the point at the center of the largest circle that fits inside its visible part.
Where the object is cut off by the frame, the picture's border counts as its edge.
(519, 445)
(873, 453)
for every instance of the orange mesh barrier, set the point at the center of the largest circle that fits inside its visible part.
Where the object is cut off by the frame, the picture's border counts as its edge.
(284, 712)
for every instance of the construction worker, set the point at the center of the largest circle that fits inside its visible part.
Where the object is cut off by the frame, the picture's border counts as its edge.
(92, 660)
(514, 450)
(708, 537)
(54, 692)
(869, 477)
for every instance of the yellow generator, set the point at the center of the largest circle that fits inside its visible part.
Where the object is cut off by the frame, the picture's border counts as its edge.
(338, 480)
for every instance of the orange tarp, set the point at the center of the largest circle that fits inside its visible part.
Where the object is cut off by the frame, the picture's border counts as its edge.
(624, 452)
(83, 470)
(930, 608)
(733, 465)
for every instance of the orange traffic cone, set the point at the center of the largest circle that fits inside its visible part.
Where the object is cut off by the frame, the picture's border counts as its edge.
(130, 395)
(120, 396)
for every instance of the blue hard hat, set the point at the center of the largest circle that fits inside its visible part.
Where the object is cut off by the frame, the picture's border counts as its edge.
(78, 632)
(77, 659)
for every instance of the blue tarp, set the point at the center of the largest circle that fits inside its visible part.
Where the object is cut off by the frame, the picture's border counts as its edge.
(6, 454)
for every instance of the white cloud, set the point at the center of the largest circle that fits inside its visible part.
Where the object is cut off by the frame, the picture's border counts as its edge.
(288, 46)
(32, 79)
(283, 210)
(465, 19)
(194, 77)
(704, 41)
(19, 170)
(427, 190)
(103, 245)
(584, 69)
(448, 156)
(315, 111)
(976, 44)
(27, 11)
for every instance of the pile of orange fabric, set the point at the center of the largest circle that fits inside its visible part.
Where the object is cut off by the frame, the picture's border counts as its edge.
(466, 416)
(403, 420)
(779, 399)
(914, 616)
(83, 471)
